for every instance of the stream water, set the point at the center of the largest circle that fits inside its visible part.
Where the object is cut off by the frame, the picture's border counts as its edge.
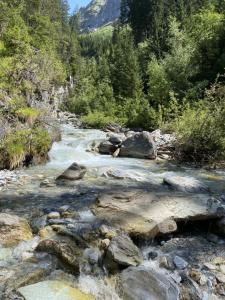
(75, 146)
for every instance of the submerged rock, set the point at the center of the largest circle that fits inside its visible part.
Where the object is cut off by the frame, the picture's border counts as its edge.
(144, 282)
(139, 145)
(13, 230)
(147, 214)
(49, 290)
(185, 184)
(74, 172)
(122, 252)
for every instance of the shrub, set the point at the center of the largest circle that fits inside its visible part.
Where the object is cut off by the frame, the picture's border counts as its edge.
(98, 120)
(28, 114)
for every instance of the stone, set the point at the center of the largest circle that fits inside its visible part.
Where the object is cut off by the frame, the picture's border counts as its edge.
(64, 208)
(222, 269)
(139, 145)
(107, 148)
(38, 223)
(54, 215)
(49, 290)
(116, 139)
(218, 260)
(93, 256)
(145, 282)
(180, 263)
(198, 277)
(116, 153)
(210, 266)
(64, 249)
(220, 277)
(122, 252)
(104, 244)
(74, 172)
(185, 184)
(152, 255)
(137, 212)
(13, 230)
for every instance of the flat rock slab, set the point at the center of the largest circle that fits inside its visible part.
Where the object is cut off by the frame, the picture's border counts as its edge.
(147, 214)
(52, 290)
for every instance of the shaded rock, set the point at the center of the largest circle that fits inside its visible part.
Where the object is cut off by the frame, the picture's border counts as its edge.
(65, 250)
(116, 139)
(147, 214)
(185, 184)
(122, 252)
(144, 282)
(49, 290)
(38, 223)
(139, 145)
(74, 172)
(107, 148)
(116, 153)
(13, 230)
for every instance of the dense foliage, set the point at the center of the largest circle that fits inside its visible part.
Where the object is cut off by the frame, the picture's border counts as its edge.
(38, 50)
(154, 69)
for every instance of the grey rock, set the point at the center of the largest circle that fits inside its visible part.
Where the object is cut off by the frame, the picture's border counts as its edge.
(140, 145)
(38, 223)
(145, 283)
(180, 263)
(185, 184)
(107, 148)
(74, 172)
(53, 215)
(122, 252)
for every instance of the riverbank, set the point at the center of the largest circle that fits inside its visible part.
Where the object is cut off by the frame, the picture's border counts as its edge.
(105, 263)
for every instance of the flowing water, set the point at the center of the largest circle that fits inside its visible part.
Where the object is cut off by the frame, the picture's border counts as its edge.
(75, 146)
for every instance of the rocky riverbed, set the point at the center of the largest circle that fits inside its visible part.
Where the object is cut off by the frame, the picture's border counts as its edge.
(91, 226)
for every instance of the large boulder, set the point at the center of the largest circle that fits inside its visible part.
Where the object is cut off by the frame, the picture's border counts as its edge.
(13, 230)
(56, 290)
(74, 172)
(148, 214)
(185, 184)
(145, 282)
(122, 253)
(139, 145)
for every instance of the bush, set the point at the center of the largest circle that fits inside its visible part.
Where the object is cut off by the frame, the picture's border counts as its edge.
(98, 120)
(28, 114)
(201, 131)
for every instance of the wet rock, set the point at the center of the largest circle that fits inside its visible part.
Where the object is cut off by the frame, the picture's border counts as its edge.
(197, 276)
(74, 172)
(180, 263)
(220, 277)
(56, 290)
(210, 266)
(145, 282)
(53, 215)
(38, 223)
(140, 145)
(93, 256)
(152, 255)
(122, 253)
(221, 225)
(107, 148)
(116, 153)
(116, 139)
(121, 174)
(13, 230)
(64, 208)
(166, 262)
(185, 184)
(137, 212)
(65, 250)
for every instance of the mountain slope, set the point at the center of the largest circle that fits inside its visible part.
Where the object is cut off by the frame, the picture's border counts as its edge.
(99, 13)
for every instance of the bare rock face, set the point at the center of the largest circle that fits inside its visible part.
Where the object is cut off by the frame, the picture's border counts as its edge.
(148, 214)
(144, 282)
(139, 145)
(74, 172)
(122, 252)
(13, 230)
(185, 184)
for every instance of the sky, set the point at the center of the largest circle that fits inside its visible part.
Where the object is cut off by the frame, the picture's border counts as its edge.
(77, 3)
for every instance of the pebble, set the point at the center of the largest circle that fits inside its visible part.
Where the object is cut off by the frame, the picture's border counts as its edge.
(180, 263)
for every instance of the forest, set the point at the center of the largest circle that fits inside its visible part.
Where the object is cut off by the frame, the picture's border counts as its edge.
(160, 66)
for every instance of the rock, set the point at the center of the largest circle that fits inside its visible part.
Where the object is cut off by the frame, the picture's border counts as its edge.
(222, 269)
(152, 255)
(122, 252)
(105, 244)
(38, 223)
(218, 260)
(116, 139)
(198, 277)
(185, 184)
(107, 148)
(64, 208)
(53, 215)
(137, 212)
(180, 263)
(116, 153)
(166, 263)
(220, 277)
(65, 250)
(74, 172)
(93, 256)
(13, 230)
(140, 145)
(124, 174)
(49, 290)
(144, 282)
(221, 225)
(210, 266)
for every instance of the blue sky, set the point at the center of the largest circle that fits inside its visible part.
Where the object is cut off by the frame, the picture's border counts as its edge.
(77, 3)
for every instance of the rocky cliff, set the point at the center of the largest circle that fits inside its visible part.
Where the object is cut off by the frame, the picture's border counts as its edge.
(99, 13)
